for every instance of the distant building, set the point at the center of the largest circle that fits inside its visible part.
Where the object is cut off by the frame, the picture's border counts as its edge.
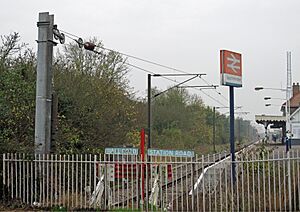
(275, 122)
(295, 119)
(294, 100)
(279, 122)
(294, 113)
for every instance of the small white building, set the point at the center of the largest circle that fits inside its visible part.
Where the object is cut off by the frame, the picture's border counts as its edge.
(295, 121)
(279, 122)
(294, 113)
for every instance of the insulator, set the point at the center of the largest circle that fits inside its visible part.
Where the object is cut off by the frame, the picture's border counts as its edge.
(89, 46)
(55, 32)
(58, 36)
(62, 38)
(80, 42)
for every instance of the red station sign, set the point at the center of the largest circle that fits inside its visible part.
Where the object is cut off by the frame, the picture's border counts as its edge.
(231, 68)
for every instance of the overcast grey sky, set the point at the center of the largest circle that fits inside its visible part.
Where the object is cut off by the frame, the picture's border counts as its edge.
(187, 35)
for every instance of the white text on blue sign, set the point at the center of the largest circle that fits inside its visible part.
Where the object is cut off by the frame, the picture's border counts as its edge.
(122, 151)
(170, 153)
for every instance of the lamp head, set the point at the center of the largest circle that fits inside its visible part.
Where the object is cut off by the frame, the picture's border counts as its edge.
(258, 88)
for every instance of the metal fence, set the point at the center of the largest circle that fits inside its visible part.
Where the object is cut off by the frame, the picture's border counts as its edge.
(264, 181)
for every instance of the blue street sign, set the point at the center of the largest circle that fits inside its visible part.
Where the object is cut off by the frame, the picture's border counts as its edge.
(122, 151)
(171, 153)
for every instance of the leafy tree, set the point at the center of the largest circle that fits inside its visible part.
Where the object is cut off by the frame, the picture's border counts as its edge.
(182, 121)
(17, 95)
(96, 108)
(179, 119)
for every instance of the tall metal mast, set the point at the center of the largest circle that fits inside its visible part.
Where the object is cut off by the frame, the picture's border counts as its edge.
(288, 92)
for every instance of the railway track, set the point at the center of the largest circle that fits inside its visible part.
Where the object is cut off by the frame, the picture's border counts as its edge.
(185, 174)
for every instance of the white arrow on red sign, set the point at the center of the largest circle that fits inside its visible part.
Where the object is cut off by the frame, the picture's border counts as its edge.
(233, 63)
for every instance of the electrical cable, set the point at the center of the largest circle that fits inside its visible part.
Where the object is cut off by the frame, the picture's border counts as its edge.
(145, 70)
(70, 34)
(142, 69)
(160, 65)
(216, 91)
(147, 61)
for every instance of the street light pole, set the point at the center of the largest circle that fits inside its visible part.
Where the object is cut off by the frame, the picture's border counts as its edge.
(258, 88)
(268, 98)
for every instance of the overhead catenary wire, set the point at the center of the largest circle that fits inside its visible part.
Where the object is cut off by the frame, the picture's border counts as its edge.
(135, 57)
(69, 35)
(172, 80)
(160, 65)
(147, 71)
(215, 90)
